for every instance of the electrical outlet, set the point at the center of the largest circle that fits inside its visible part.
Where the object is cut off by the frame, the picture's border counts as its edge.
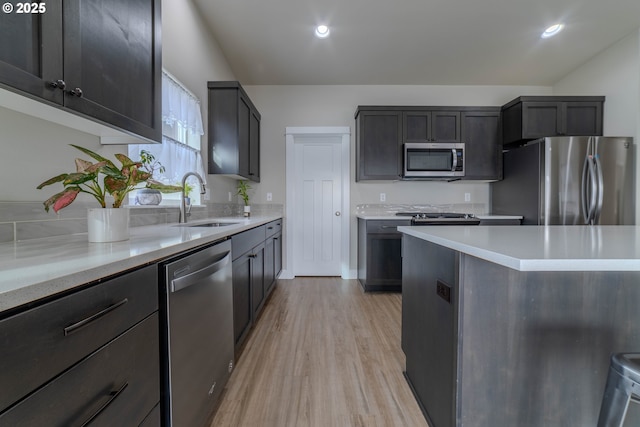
(467, 197)
(383, 197)
(269, 197)
(207, 196)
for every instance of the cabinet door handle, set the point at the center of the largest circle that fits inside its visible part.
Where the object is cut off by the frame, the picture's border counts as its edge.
(76, 92)
(72, 328)
(58, 84)
(384, 227)
(112, 396)
(269, 228)
(253, 255)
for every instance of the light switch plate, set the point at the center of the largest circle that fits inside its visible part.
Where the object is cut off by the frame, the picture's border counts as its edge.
(269, 197)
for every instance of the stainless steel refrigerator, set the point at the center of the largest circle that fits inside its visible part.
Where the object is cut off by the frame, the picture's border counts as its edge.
(568, 180)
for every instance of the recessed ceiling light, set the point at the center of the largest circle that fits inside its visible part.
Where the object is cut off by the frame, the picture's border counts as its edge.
(322, 31)
(552, 31)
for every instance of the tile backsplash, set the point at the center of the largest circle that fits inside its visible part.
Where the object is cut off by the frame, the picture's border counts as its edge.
(29, 220)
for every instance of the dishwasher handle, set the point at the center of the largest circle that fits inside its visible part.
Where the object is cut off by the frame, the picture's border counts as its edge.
(195, 277)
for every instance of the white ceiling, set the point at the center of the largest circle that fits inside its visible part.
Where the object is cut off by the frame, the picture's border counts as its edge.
(414, 42)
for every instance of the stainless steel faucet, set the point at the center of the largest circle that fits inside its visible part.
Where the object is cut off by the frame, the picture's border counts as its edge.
(183, 209)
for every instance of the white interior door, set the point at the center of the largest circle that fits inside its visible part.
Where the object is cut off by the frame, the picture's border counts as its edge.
(317, 206)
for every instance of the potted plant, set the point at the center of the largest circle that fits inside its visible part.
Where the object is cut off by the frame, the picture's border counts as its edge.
(188, 188)
(99, 180)
(243, 192)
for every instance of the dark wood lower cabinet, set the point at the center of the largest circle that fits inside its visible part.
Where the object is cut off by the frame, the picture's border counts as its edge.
(116, 385)
(41, 342)
(241, 298)
(272, 262)
(380, 254)
(257, 279)
(257, 262)
(248, 292)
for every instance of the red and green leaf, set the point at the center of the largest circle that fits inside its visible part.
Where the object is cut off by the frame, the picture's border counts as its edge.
(62, 199)
(96, 156)
(53, 180)
(114, 184)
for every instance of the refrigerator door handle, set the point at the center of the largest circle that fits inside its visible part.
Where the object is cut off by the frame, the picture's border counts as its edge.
(599, 189)
(584, 189)
(589, 190)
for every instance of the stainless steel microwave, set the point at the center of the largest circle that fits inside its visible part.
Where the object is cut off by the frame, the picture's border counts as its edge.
(433, 160)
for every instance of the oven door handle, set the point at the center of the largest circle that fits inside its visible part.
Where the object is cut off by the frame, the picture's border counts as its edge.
(454, 163)
(197, 276)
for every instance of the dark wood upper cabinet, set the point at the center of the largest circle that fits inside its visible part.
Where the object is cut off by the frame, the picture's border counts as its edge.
(234, 132)
(481, 135)
(378, 145)
(430, 126)
(31, 52)
(531, 117)
(381, 131)
(99, 59)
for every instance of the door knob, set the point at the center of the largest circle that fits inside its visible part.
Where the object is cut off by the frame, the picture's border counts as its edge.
(338, 213)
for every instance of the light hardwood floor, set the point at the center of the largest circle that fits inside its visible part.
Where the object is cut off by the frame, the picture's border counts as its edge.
(323, 353)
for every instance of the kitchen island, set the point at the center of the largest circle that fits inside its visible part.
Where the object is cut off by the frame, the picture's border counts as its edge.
(514, 326)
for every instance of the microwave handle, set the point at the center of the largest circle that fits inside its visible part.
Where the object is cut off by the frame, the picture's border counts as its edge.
(454, 163)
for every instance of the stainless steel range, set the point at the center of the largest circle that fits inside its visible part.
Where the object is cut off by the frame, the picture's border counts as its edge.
(440, 218)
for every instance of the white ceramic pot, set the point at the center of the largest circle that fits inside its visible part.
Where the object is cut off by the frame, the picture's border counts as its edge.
(108, 224)
(247, 210)
(148, 196)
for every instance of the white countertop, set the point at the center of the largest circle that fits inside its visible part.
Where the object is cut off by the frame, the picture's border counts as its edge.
(542, 248)
(395, 217)
(34, 269)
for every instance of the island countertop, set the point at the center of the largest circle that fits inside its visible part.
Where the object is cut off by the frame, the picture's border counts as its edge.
(542, 248)
(38, 268)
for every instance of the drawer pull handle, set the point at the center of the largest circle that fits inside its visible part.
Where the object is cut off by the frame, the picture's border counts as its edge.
(386, 227)
(112, 396)
(72, 328)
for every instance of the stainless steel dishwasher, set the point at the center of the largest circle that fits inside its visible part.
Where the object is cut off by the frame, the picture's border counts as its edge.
(197, 333)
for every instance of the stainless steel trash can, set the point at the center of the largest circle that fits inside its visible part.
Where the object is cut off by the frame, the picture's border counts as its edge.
(622, 389)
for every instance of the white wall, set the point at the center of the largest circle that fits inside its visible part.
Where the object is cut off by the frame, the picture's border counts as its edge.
(34, 150)
(614, 73)
(283, 106)
(193, 56)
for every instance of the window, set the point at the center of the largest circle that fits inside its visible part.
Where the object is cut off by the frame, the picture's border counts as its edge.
(182, 131)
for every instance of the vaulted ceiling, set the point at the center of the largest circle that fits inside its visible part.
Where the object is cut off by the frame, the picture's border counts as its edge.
(414, 42)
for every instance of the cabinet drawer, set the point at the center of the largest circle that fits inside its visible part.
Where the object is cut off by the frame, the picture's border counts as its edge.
(274, 227)
(386, 226)
(245, 241)
(39, 343)
(117, 385)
